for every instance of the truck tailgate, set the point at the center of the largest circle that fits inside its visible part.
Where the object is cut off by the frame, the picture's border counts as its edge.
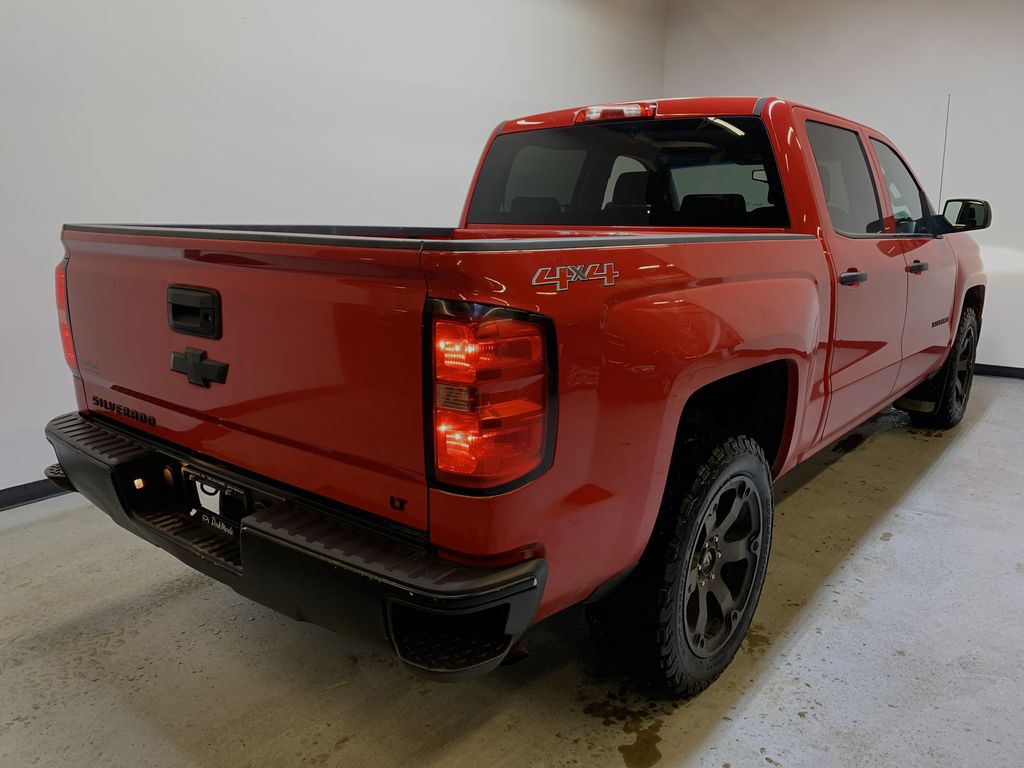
(323, 348)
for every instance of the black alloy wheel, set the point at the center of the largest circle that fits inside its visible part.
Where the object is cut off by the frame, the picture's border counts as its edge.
(722, 564)
(963, 372)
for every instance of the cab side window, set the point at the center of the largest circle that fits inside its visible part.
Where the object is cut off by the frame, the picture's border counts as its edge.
(845, 179)
(910, 207)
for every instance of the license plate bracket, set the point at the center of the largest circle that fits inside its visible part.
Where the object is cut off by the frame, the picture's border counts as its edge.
(217, 505)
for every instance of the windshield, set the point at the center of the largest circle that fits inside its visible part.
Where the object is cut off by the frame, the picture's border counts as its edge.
(695, 172)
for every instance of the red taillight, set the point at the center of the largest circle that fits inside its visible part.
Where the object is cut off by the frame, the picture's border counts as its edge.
(61, 290)
(616, 112)
(492, 397)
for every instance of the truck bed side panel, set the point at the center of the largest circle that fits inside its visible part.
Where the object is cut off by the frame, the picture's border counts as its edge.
(677, 316)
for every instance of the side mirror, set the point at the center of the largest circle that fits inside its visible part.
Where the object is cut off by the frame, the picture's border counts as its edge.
(966, 215)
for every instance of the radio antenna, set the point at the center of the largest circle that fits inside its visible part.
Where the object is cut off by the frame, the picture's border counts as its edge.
(945, 141)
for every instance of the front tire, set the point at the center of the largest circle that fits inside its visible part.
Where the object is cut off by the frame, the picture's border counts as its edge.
(957, 376)
(679, 619)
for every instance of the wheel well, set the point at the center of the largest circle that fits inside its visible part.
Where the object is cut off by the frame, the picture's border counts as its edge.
(753, 403)
(975, 299)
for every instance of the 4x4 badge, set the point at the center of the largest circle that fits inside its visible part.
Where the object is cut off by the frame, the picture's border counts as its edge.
(200, 371)
(561, 276)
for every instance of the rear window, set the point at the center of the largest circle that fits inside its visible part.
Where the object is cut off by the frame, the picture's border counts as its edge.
(695, 172)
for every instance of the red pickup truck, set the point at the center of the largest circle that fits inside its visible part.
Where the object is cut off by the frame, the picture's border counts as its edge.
(582, 393)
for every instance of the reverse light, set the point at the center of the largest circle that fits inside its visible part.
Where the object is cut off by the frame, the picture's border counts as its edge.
(63, 321)
(616, 112)
(493, 400)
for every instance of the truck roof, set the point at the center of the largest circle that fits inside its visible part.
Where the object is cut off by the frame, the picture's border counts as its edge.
(678, 107)
(691, 106)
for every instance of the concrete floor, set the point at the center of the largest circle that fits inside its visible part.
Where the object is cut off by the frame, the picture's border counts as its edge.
(891, 632)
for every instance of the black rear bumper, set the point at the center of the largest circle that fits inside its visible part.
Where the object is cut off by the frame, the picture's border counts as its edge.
(301, 557)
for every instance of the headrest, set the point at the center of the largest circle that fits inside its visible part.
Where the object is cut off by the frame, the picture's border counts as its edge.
(631, 188)
(717, 206)
(712, 210)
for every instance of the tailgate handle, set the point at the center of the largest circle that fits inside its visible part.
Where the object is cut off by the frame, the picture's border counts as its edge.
(194, 311)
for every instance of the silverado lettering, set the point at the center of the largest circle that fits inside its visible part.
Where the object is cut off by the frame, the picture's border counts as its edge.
(122, 410)
(647, 314)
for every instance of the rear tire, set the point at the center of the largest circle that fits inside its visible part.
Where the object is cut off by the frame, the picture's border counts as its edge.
(956, 375)
(680, 617)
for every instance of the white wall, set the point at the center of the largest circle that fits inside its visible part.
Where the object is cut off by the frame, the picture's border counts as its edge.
(305, 112)
(889, 65)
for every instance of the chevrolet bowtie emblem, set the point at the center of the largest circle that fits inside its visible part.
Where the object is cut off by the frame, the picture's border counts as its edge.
(200, 371)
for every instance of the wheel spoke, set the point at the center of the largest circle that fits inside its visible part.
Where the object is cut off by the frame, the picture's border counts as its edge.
(692, 578)
(722, 594)
(733, 514)
(734, 551)
(709, 525)
(702, 610)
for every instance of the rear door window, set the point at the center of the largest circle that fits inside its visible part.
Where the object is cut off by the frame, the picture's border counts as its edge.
(846, 179)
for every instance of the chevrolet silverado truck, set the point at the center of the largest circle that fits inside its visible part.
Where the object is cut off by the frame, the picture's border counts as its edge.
(582, 394)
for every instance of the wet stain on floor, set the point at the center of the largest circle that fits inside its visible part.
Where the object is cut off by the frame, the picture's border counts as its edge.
(639, 721)
(644, 752)
(757, 640)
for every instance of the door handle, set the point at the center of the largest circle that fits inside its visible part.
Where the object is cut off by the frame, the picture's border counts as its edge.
(853, 278)
(918, 267)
